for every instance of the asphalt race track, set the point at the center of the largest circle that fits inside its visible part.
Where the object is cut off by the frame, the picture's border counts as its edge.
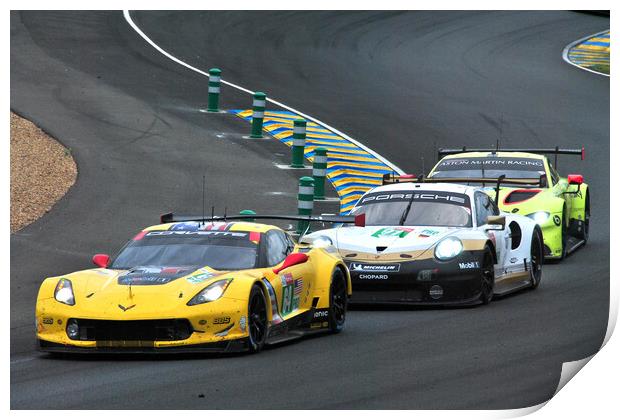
(402, 83)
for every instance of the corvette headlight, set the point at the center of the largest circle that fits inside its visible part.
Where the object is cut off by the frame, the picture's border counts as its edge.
(64, 292)
(539, 217)
(448, 248)
(210, 293)
(322, 242)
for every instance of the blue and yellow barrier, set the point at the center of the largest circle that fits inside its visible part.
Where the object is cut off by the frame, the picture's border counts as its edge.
(592, 53)
(350, 169)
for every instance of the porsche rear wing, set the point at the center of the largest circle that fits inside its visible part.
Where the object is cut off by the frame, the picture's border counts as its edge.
(549, 151)
(358, 220)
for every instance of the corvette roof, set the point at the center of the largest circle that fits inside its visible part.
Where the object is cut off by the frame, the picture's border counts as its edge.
(228, 226)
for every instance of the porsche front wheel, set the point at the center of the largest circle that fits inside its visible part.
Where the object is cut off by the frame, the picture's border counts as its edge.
(257, 319)
(337, 301)
(536, 259)
(487, 278)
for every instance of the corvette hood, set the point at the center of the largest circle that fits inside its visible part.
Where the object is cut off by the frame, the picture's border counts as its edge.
(147, 291)
(384, 241)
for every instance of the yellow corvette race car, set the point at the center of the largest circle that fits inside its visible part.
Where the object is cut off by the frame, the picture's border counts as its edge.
(196, 285)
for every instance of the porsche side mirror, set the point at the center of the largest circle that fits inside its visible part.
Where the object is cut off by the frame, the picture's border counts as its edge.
(101, 260)
(574, 179)
(291, 260)
(495, 223)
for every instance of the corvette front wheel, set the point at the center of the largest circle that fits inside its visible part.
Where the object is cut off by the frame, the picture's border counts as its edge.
(257, 319)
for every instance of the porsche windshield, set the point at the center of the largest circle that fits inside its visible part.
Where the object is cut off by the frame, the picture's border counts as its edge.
(489, 167)
(428, 208)
(220, 250)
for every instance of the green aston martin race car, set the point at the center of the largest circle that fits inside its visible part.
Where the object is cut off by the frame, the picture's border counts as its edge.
(532, 187)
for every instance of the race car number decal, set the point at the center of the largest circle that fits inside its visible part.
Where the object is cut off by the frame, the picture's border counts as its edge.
(291, 289)
(392, 232)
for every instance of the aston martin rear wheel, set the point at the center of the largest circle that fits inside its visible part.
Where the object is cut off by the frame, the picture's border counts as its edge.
(337, 301)
(487, 278)
(564, 236)
(257, 319)
(536, 259)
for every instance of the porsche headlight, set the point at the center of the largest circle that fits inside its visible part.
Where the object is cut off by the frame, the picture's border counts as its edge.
(448, 248)
(210, 293)
(322, 242)
(64, 292)
(540, 217)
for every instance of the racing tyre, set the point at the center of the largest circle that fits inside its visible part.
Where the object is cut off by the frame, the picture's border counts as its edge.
(257, 319)
(536, 259)
(337, 301)
(585, 233)
(564, 235)
(487, 277)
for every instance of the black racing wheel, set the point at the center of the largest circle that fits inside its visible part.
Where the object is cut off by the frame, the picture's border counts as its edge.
(257, 319)
(337, 301)
(536, 258)
(487, 277)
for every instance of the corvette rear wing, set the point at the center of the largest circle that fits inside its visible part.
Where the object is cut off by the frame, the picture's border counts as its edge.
(358, 220)
(553, 151)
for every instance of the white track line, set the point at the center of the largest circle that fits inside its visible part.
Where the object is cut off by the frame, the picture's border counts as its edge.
(273, 101)
(579, 41)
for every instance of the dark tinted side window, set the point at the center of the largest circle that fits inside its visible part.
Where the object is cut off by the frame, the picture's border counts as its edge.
(484, 208)
(278, 247)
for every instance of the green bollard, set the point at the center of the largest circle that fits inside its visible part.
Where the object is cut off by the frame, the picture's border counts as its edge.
(299, 143)
(304, 201)
(246, 212)
(214, 90)
(319, 171)
(258, 113)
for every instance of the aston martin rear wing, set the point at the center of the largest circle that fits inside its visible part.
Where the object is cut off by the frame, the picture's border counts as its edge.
(548, 151)
(395, 179)
(358, 220)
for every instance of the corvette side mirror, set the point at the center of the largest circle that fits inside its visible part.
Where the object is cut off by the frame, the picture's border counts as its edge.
(101, 260)
(291, 260)
(495, 223)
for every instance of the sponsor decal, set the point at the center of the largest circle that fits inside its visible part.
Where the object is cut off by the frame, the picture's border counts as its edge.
(557, 220)
(513, 260)
(398, 232)
(321, 315)
(242, 323)
(126, 308)
(374, 267)
(515, 210)
(490, 163)
(373, 276)
(315, 325)
(202, 322)
(427, 233)
(221, 320)
(148, 276)
(469, 265)
(442, 196)
(200, 277)
(48, 320)
(219, 233)
(436, 292)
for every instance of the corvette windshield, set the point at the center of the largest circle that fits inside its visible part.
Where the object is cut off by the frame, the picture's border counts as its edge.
(491, 167)
(217, 249)
(428, 208)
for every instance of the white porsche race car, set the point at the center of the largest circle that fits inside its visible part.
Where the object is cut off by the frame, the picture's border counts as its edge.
(435, 244)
